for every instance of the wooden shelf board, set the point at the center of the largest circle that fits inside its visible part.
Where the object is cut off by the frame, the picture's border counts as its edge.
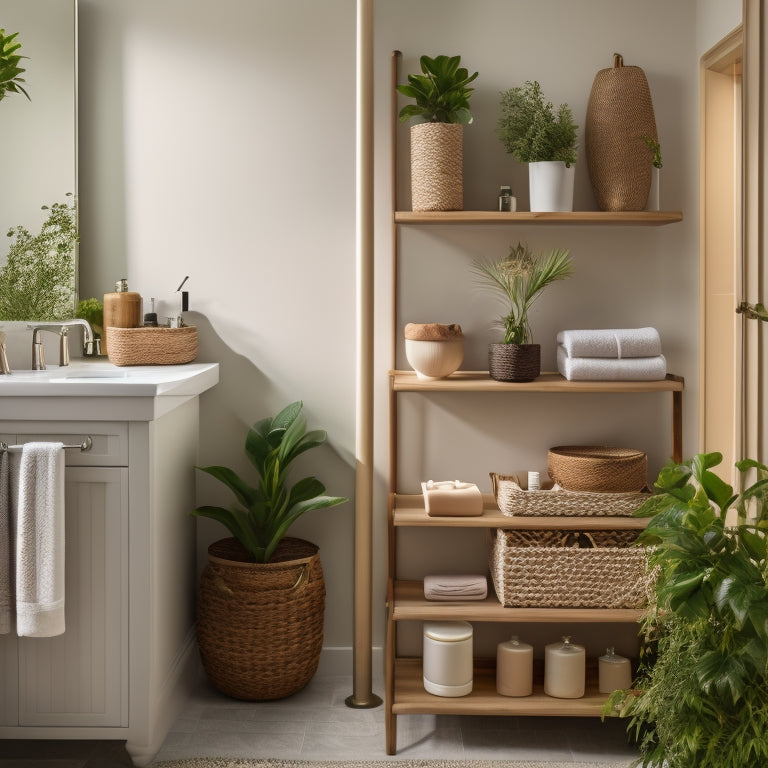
(409, 511)
(573, 218)
(411, 605)
(480, 381)
(411, 698)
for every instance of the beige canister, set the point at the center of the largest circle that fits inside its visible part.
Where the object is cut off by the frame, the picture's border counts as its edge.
(448, 658)
(614, 671)
(122, 309)
(514, 668)
(565, 666)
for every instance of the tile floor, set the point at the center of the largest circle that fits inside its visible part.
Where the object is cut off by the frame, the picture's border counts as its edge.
(315, 724)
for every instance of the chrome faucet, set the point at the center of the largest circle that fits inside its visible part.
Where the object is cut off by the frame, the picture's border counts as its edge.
(62, 328)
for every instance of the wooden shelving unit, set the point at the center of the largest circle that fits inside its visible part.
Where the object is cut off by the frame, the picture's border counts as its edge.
(569, 218)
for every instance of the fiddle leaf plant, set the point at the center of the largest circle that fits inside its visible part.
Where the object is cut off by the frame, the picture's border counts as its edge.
(269, 508)
(701, 694)
(10, 71)
(441, 91)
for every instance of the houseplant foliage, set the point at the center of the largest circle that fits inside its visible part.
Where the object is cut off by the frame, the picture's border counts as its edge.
(441, 93)
(701, 694)
(37, 282)
(271, 507)
(532, 131)
(10, 71)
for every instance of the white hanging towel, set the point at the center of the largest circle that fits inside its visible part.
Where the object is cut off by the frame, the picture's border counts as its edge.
(5, 546)
(40, 541)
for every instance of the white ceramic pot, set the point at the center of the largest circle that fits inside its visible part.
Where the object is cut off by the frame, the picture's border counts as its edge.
(434, 359)
(551, 185)
(654, 193)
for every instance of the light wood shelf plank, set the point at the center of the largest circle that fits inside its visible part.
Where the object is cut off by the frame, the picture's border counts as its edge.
(411, 605)
(569, 218)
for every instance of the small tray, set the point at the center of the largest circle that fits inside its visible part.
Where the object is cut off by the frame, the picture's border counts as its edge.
(152, 346)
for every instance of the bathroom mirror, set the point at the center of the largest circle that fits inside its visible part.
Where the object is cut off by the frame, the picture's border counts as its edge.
(38, 163)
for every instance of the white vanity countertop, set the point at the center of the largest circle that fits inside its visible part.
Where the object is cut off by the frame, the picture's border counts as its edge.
(95, 389)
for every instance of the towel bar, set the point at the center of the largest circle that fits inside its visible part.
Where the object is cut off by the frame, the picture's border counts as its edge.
(86, 445)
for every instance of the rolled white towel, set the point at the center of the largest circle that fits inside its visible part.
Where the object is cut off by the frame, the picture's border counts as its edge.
(606, 369)
(617, 343)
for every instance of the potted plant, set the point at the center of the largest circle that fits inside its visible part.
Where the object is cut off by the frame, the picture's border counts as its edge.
(531, 131)
(442, 95)
(520, 278)
(655, 191)
(700, 697)
(10, 71)
(261, 598)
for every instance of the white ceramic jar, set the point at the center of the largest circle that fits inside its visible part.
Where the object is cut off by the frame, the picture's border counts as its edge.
(434, 350)
(565, 666)
(448, 658)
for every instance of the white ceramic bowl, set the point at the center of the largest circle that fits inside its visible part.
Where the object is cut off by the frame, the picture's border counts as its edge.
(434, 359)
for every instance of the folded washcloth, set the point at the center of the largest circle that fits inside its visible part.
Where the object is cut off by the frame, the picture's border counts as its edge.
(40, 541)
(5, 546)
(606, 369)
(455, 587)
(611, 342)
(452, 498)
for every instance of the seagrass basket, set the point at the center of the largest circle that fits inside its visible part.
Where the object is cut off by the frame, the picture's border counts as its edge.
(260, 625)
(598, 468)
(569, 569)
(514, 362)
(514, 500)
(437, 167)
(152, 346)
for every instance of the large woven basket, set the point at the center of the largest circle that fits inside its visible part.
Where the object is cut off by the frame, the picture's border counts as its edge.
(260, 625)
(513, 500)
(619, 117)
(574, 569)
(437, 167)
(152, 346)
(598, 468)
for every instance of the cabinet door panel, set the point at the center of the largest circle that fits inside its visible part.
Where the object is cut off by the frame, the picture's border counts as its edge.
(80, 677)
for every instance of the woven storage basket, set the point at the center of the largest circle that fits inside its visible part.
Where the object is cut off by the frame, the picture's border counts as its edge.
(619, 116)
(152, 346)
(598, 468)
(437, 167)
(260, 625)
(514, 362)
(574, 569)
(513, 500)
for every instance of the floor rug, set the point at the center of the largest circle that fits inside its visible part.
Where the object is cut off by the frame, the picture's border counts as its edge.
(202, 762)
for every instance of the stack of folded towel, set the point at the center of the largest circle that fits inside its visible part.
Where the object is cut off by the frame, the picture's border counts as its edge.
(624, 354)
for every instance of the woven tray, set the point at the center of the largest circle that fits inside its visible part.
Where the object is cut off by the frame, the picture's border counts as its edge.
(569, 569)
(598, 468)
(514, 500)
(152, 346)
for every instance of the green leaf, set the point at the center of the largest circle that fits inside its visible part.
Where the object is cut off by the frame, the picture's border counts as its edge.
(244, 493)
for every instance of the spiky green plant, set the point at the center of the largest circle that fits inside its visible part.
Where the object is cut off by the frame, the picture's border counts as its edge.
(520, 277)
(271, 507)
(441, 92)
(655, 148)
(10, 71)
(701, 694)
(37, 282)
(531, 130)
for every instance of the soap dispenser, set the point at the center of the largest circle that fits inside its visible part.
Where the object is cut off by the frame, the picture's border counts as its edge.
(122, 309)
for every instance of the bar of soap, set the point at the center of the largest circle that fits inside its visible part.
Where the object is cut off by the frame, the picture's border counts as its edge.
(452, 498)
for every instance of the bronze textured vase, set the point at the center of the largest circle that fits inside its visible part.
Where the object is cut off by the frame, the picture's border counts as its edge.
(619, 120)
(514, 362)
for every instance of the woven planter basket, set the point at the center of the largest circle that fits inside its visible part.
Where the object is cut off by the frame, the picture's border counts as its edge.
(260, 625)
(514, 362)
(619, 115)
(514, 501)
(437, 167)
(569, 569)
(152, 346)
(598, 468)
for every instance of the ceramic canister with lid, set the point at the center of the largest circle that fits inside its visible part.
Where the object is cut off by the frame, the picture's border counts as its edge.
(614, 671)
(564, 669)
(514, 668)
(448, 658)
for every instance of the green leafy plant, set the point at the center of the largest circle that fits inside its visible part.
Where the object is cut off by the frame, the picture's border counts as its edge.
(655, 148)
(521, 277)
(531, 130)
(92, 310)
(270, 508)
(441, 92)
(701, 694)
(10, 71)
(37, 281)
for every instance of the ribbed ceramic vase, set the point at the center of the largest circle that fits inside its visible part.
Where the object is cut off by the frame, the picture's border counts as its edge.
(437, 167)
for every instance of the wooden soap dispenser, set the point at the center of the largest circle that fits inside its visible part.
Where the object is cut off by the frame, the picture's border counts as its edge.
(122, 309)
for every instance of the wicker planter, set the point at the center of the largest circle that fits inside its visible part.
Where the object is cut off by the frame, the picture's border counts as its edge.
(260, 625)
(437, 167)
(514, 362)
(619, 116)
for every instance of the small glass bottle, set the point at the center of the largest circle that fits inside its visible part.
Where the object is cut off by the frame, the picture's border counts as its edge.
(507, 202)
